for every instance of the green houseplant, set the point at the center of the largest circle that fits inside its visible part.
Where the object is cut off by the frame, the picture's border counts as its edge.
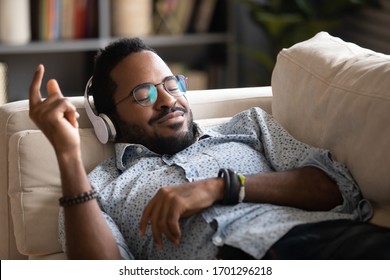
(286, 22)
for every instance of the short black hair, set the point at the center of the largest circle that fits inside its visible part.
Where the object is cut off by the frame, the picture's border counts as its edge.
(103, 87)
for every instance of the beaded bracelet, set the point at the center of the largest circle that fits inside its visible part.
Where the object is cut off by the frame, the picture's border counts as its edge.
(78, 199)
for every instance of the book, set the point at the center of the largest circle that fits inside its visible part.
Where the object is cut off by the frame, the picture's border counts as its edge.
(67, 19)
(35, 19)
(45, 21)
(204, 15)
(63, 19)
(91, 19)
(50, 22)
(80, 23)
(173, 16)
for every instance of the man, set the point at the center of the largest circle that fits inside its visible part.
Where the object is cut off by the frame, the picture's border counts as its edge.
(172, 191)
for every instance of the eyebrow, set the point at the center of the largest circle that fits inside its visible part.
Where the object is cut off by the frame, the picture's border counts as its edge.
(150, 83)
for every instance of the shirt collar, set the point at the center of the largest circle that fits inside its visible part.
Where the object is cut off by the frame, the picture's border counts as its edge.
(126, 151)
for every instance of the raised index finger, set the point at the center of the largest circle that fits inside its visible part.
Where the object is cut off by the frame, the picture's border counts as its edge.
(35, 86)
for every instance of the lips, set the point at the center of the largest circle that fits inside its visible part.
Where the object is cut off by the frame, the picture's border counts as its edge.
(169, 116)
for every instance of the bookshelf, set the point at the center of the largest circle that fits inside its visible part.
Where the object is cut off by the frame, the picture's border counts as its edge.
(70, 61)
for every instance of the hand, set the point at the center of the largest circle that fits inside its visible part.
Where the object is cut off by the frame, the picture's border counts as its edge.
(173, 202)
(55, 116)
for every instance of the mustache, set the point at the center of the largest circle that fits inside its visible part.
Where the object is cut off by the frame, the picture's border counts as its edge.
(166, 112)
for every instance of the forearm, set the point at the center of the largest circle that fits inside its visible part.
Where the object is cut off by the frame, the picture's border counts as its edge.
(306, 188)
(87, 233)
(88, 236)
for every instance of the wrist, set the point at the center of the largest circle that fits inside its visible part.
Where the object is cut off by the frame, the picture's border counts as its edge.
(73, 177)
(215, 189)
(70, 156)
(220, 189)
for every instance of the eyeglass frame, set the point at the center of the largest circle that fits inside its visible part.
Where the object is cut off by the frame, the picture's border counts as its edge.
(178, 78)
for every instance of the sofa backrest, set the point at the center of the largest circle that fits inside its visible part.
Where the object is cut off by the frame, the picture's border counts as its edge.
(336, 95)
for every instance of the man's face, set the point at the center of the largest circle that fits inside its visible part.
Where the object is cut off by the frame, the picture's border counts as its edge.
(166, 126)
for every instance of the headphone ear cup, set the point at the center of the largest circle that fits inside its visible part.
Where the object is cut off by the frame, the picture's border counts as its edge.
(98, 123)
(104, 128)
(110, 129)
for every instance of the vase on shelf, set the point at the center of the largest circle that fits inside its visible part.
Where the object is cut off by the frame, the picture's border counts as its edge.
(15, 22)
(131, 17)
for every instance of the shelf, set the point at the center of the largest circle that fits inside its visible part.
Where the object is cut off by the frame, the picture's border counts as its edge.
(94, 44)
(208, 52)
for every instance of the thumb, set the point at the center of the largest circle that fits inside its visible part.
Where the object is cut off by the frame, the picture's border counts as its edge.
(70, 112)
(53, 88)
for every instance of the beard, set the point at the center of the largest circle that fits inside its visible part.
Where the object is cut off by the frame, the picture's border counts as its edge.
(135, 134)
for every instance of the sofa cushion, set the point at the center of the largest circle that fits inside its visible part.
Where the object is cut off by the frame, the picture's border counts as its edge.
(34, 187)
(14, 117)
(334, 94)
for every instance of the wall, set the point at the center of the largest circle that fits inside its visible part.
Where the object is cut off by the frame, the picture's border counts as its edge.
(370, 28)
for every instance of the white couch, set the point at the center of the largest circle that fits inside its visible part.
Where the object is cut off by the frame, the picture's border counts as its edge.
(325, 92)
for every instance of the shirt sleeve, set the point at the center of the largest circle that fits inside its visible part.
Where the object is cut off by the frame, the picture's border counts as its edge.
(61, 230)
(120, 241)
(285, 152)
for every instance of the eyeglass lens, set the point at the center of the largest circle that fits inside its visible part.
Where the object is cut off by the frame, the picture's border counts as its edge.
(146, 94)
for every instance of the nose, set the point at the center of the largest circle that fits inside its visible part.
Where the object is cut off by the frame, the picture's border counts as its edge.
(164, 99)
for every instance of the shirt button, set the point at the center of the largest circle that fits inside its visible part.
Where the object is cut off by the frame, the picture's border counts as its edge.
(139, 150)
(217, 240)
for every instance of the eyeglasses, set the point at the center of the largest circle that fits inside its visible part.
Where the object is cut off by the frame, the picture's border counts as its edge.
(146, 94)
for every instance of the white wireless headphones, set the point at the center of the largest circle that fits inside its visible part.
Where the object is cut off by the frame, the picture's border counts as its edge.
(104, 128)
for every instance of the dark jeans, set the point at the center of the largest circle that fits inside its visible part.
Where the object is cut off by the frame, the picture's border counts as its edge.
(337, 240)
